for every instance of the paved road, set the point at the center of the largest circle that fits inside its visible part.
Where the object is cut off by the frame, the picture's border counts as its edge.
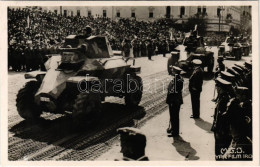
(53, 138)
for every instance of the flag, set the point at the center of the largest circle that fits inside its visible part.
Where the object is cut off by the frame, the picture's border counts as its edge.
(28, 21)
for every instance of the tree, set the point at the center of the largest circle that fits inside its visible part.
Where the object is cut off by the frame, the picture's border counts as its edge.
(201, 22)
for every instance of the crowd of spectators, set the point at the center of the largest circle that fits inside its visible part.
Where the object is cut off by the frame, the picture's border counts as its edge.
(33, 33)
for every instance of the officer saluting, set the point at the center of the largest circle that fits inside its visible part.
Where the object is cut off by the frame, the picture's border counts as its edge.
(195, 88)
(174, 100)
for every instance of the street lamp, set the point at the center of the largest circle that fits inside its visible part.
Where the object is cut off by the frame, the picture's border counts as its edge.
(220, 8)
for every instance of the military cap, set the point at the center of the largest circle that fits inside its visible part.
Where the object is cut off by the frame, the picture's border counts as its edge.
(197, 61)
(175, 68)
(223, 83)
(232, 71)
(241, 90)
(225, 73)
(240, 66)
(237, 69)
(220, 58)
(227, 76)
(248, 64)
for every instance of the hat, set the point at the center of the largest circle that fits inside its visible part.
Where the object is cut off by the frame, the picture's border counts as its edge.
(232, 71)
(227, 76)
(237, 69)
(240, 65)
(223, 83)
(248, 64)
(225, 73)
(197, 61)
(241, 90)
(176, 68)
(221, 58)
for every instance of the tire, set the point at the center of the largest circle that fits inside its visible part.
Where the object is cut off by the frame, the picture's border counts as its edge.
(132, 99)
(86, 108)
(237, 56)
(26, 106)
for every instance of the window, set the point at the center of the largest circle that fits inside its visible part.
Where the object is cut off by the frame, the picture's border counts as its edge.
(65, 13)
(104, 13)
(204, 11)
(78, 12)
(133, 14)
(199, 10)
(71, 13)
(182, 12)
(218, 12)
(55, 11)
(89, 13)
(118, 14)
(150, 14)
(168, 12)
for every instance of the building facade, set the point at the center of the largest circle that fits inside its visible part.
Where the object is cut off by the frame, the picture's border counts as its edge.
(219, 18)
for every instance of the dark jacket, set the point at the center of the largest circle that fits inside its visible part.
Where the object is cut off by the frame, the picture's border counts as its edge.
(196, 80)
(175, 87)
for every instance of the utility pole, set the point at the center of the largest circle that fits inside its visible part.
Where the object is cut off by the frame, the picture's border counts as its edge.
(220, 8)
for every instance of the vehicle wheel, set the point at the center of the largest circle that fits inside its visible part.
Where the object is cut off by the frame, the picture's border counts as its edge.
(26, 106)
(86, 108)
(237, 55)
(211, 65)
(133, 98)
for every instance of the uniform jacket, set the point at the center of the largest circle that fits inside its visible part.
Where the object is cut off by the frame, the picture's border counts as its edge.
(175, 87)
(196, 80)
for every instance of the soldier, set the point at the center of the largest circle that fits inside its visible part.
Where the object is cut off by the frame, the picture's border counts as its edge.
(195, 88)
(150, 49)
(174, 100)
(219, 127)
(87, 31)
(133, 143)
(220, 67)
(126, 48)
(238, 123)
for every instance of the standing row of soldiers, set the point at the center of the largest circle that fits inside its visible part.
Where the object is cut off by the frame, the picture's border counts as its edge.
(27, 58)
(232, 125)
(147, 48)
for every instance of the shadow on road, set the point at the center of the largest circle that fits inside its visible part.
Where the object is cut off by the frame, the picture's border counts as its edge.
(203, 125)
(184, 148)
(61, 131)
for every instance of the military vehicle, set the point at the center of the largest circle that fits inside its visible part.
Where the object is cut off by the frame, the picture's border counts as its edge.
(192, 48)
(245, 45)
(231, 48)
(78, 79)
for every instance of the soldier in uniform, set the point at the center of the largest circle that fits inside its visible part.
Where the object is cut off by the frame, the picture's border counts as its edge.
(220, 124)
(133, 143)
(174, 100)
(195, 88)
(238, 124)
(220, 67)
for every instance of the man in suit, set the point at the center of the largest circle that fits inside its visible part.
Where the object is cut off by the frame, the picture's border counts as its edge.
(195, 88)
(174, 100)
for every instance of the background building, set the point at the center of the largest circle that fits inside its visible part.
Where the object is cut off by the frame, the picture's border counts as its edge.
(219, 18)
